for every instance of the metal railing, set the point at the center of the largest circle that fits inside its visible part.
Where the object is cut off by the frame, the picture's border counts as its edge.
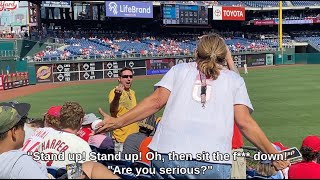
(133, 56)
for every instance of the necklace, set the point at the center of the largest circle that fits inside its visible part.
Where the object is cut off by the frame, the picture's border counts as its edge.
(128, 94)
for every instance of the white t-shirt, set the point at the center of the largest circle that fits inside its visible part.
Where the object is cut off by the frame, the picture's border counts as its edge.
(64, 146)
(187, 127)
(31, 144)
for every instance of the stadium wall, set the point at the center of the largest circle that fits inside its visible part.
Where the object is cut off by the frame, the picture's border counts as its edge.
(62, 71)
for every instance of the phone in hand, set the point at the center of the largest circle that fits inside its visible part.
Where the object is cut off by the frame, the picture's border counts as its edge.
(74, 171)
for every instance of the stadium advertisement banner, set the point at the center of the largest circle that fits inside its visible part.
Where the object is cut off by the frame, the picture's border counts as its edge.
(229, 13)
(269, 59)
(264, 22)
(59, 4)
(91, 70)
(285, 21)
(65, 72)
(8, 5)
(297, 21)
(138, 67)
(256, 60)
(159, 66)
(13, 15)
(129, 9)
(112, 68)
(239, 60)
(44, 73)
(316, 20)
(184, 60)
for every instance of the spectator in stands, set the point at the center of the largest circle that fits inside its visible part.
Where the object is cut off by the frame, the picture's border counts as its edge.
(51, 123)
(198, 112)
(308, 168)
(133, 141)
(86, 129)
(16, 164)
(35, 123)
(32, 125)
(122, 98)
(101, 141)
(65, 141)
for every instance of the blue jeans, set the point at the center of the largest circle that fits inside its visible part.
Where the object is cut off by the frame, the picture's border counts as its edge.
(218, 171)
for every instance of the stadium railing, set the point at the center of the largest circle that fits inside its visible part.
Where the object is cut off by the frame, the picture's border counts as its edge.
(135, 56)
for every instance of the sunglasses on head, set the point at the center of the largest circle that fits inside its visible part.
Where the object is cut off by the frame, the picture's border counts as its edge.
(126, 76)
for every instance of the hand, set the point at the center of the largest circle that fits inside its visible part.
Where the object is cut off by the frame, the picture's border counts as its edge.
(119, 89)
(229, 58)
(279, 165)
(108, 124)
(230, 62)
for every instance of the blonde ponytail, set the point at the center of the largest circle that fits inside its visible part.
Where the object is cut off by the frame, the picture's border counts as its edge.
(209, 68)
(210, 55)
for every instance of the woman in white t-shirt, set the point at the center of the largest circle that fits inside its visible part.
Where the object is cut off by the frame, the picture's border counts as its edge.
(202, 99)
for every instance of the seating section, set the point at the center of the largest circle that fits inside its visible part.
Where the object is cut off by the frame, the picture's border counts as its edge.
(111, 48)
(312, 40)
(259, 4)
(305, 3)
(231, 3)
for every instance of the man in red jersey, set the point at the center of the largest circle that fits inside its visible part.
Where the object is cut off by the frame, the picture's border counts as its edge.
(308, 168)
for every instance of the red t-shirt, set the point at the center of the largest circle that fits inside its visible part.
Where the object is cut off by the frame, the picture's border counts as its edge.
(84, 133)
(237, 141)
(304, 170)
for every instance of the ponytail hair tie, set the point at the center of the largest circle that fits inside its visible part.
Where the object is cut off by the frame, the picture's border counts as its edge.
(213, 56)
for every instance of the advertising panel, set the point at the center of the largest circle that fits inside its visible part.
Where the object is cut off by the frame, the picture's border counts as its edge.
(269, 59)
(65, 72)
(159, 66)
(132, 9)
(256, 59)
(44, 73)
(91, 70)
(264, 22)
(138, 67)
(59, 4)
(13, 14)
(239, 60)
(8, 5)
(229, 13)
(112, 68)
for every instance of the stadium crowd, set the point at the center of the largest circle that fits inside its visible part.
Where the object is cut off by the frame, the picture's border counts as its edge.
(106, 44)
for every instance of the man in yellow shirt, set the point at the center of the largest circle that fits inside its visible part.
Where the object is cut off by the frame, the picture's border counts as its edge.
(122, 99)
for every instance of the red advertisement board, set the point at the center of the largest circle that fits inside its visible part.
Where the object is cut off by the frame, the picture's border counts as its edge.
(229, 13)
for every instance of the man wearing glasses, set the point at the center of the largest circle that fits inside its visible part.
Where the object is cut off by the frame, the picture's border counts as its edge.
(122, 98)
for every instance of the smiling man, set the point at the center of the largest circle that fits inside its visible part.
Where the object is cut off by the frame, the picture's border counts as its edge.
(122, 98)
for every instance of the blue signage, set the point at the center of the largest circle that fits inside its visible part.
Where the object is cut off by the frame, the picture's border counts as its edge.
(129, 9)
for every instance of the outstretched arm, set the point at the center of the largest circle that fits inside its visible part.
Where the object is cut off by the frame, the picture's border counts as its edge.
(94, 170)
(145, 108)
(251, 130)
(230, 62)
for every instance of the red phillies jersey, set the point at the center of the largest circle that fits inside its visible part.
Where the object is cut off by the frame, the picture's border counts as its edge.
(84, 133)
(304, 170)
(237, 141)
